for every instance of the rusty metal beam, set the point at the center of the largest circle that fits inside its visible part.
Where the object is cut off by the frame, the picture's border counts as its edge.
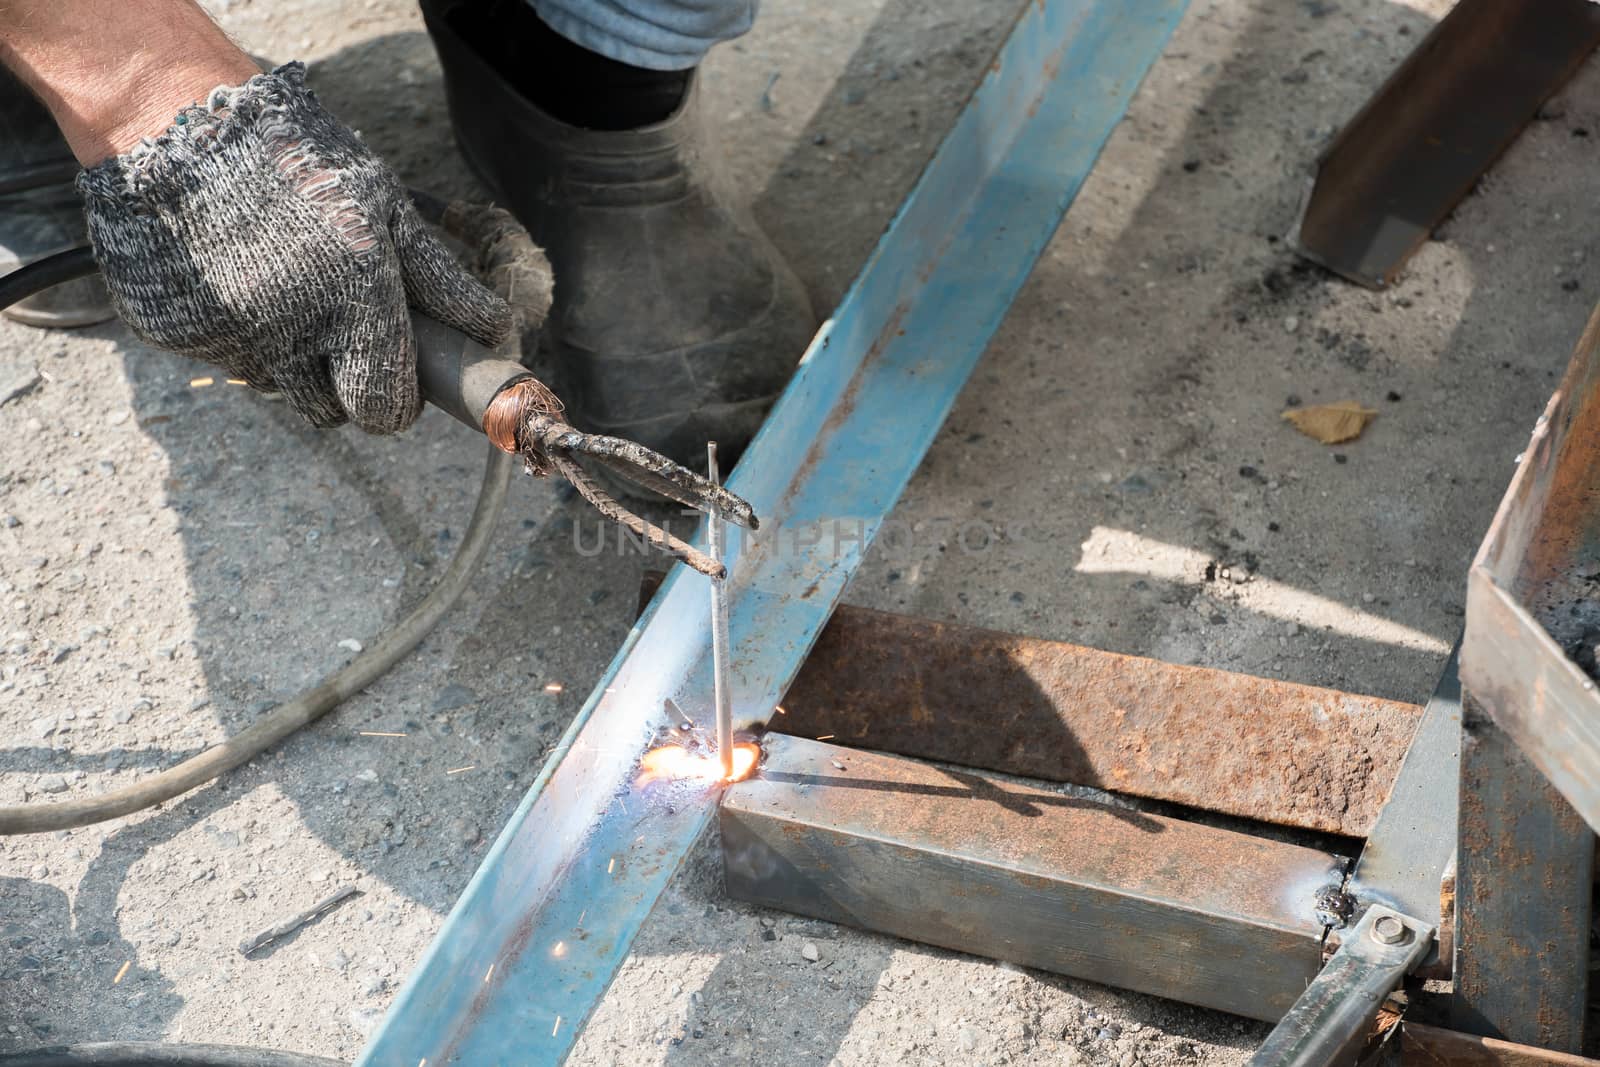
(1530, 760)
(1292, 755)
(1523, 881)
(1028, 875)
(1443, 117)
(1431, 1046)
(1276, 752)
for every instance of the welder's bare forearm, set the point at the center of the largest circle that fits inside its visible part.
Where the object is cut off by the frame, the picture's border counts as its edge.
(112, 73)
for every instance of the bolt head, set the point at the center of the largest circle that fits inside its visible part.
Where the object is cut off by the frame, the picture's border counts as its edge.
(1389, 930)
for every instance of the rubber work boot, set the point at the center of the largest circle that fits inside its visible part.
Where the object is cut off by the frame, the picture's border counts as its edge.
(676, 321)
(40, 211)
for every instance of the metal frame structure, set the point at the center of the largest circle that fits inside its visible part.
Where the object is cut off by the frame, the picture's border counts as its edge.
(1142, 896)
(1146, 897)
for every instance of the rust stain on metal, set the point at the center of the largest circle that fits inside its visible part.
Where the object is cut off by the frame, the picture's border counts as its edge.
(1522, 896)
(1558, 526)
(845, 405)
(1282, 753)
(1431, 1046)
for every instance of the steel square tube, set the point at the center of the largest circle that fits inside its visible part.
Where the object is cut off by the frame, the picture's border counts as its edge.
(971, 862)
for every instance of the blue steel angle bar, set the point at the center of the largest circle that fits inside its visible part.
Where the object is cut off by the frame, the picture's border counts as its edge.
(544, 924)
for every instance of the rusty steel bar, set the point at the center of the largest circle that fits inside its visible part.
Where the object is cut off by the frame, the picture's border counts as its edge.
(1442, 118)
(1432, 1046)
(1293, 755)
(1028, 875)
(1524, 869)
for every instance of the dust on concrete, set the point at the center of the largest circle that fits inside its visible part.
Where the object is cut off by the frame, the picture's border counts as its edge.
(177, 559)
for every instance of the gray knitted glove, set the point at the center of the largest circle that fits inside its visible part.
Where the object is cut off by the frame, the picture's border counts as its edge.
(260, 234)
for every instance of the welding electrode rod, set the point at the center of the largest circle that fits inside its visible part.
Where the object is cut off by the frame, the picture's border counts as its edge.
(719, 629)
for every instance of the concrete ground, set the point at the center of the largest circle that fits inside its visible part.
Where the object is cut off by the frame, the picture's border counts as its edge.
(176, 559)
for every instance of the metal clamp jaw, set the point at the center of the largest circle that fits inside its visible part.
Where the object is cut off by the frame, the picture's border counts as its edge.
(498, 397)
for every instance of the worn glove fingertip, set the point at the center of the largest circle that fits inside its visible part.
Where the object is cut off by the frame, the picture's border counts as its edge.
(444, 290)
(375, 370)
(498, 319)
(316, 407)
(382, 412)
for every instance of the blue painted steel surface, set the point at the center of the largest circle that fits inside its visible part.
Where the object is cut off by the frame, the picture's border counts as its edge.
(544, 924)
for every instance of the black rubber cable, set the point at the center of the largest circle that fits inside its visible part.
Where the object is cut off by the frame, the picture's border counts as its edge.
(58, 172)
(156, 1054)
(42, 274)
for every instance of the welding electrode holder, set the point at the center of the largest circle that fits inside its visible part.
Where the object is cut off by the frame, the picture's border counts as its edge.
(497, 396)
(501, 399)
(459, 376)
(467, 381)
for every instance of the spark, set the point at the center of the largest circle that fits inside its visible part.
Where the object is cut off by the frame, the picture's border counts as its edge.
(379, 733)
(779, 709)
(489, 973)
(458, 770)
(554, 687)
(827, 737)
(200, 383)
(556, 1027)
(612, 865)
(674, 762)
(581, 914)
(237, 381)
(124, 970)
(560, 949)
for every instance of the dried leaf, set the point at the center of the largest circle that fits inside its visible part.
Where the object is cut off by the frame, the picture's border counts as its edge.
(1331, 424)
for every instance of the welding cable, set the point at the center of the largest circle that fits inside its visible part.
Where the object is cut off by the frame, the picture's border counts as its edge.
(309, 706)
(42, 274)
(382, 653)
(155, 1054)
